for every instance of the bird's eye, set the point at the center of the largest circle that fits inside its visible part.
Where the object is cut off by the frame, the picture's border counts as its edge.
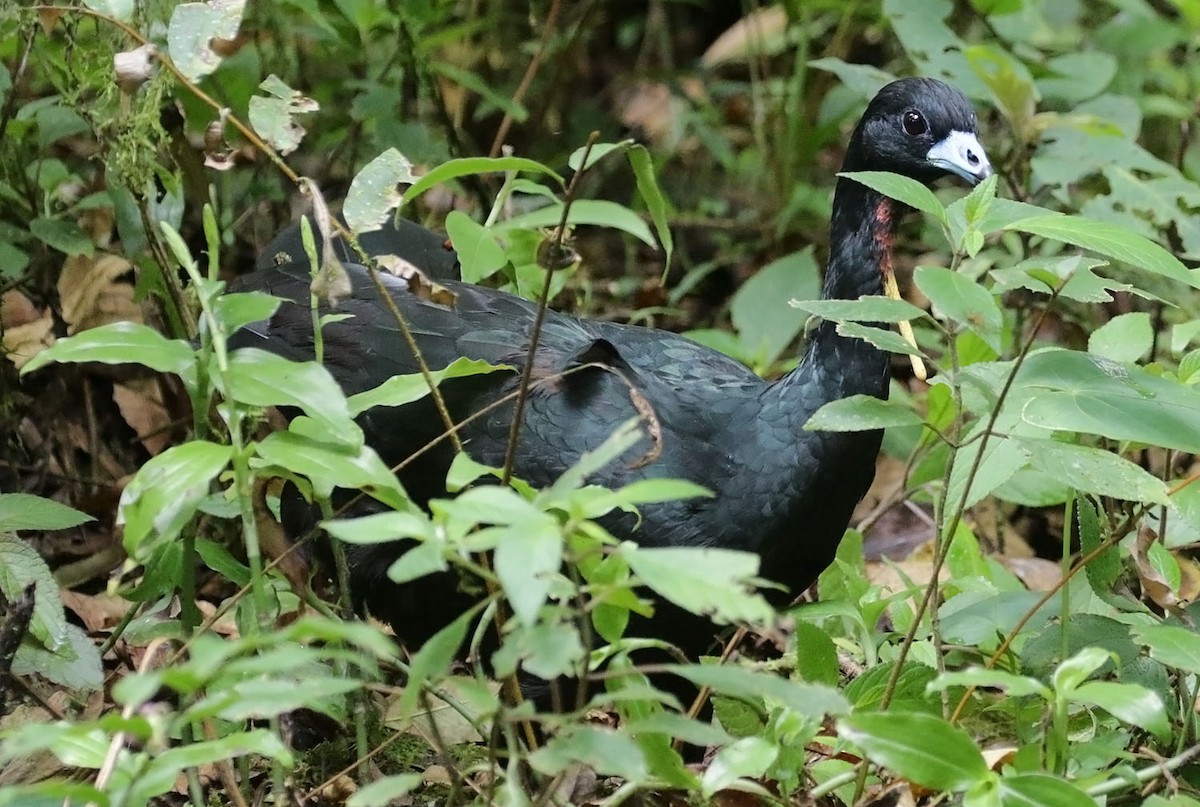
(914, 123)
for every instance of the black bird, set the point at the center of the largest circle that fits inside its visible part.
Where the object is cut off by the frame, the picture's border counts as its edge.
(422, 248)
(781, 492)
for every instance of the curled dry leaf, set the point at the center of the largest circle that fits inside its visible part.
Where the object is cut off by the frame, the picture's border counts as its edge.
(217, 153)
(418, 284)
(1156, 586)
(94, 292)
(143, 408)
(27, 330)
(750, 36)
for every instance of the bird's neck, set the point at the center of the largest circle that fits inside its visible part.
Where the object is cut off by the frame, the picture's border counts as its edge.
(860, 248)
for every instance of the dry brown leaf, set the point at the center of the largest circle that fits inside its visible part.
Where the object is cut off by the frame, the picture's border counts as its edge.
(1156, 587)
(997, 756)
(1038, 574)
(22, 343)
(746, 37)
(93, 293)
(891, 575)
(141, 403)
(98, 612)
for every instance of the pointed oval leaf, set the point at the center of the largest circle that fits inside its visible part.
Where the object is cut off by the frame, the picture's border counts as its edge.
(961, 300)
(920, 747)
(1041, 790)
(121, 343)
(1110, 241)
(1094, 470)
(861, 413)
(166, 491)
(1126, 337)
(872, 308)
(814, 701)
(1131, 703)
(901, 188)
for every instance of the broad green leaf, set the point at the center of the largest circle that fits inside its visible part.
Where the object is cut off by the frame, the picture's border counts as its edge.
(748, 757)
(192, 29)
(920, 747)
(166, 491)
(259, 378)
(273, 115)
(647, 491)
(379, 528)
(861, 413)
(20, 565)
(905, 189)
(452, 169)
(865, 80)
(1078, 668)
(1041, 790)
(64, 236)
(526, 560)
(765, 323)
(1073, 391)
(238, 309)
(404, 389)
(373, 191)
(813, 701)
(330, 465)
(1011, 684)
(1108, 240)
(598, 212)
(962, 300)
(710, 582)
(1132, 703)
(24, 511)
(1094, 470)
(864, 309)
(1104, 569)
(1173, 645)
(121, 343)
(479, 254)
(383, 792)
(1124, 338)
(608, 752)
(262, 698)
(880, 338)
(163, 769)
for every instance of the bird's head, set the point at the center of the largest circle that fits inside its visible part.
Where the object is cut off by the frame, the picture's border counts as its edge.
(922, 128)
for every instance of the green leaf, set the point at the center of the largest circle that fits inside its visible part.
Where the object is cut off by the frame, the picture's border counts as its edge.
(400, 390)
(1104, 569)
(880, 338)
(760, 312)
(1126, 337)
(1094, 470)
(383, 792)
(1041, 790)
(710, 582)
(452, 169)
(24, 511)
(64, 236)
(259, 378)
(875, 308)
(1173, 645)
(526, 561)
(861, 413)
(1069, 674)
(192, 29)
(1073, 391)
(813, 701)
(651, 193)
(904, 189)
(1132, 703)
(238, 309)
(648, 491)
(432, 662)
(273, 115)
(1011, 684)
(748, 757)
(373, 193)
(863, 79)
(1108, 240)
(330, 465)
(962, 300)
(608, 752)
(920, 747)
(20, 565)
(597, 212)
(166, 491)
(479, 253)
(121, 343)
